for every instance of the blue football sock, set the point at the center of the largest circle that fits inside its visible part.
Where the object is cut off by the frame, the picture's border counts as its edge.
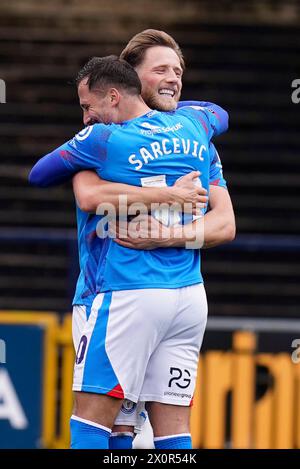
(181, 441)
(88, 435)
(121, 440)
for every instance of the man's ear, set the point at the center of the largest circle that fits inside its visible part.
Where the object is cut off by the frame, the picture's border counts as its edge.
(114, 96)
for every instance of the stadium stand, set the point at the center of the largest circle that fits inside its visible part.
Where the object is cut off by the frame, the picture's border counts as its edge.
(243, 56)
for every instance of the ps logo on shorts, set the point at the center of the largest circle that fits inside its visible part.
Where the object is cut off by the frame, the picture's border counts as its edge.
(178, 376)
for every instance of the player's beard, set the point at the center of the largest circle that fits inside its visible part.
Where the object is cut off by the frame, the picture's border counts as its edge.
(160, 102)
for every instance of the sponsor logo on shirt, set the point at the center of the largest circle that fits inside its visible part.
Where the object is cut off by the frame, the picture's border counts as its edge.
(150, 129)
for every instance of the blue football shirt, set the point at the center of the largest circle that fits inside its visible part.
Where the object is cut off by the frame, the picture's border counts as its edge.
(156, 144)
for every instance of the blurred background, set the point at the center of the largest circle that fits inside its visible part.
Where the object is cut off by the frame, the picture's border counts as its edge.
(241, 55)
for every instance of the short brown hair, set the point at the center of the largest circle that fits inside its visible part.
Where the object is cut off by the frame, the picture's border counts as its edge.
(135, 50)
(110, 70)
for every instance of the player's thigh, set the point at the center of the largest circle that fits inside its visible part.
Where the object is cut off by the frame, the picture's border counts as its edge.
(172, 369)
(97, 408)
(117, 341)
(168, 419)
(137, 323)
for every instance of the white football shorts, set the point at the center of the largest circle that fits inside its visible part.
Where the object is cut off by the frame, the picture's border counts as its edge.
(131, 414)
(141, 345)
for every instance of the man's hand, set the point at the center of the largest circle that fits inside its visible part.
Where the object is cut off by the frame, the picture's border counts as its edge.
(145, 233)
(190, 196)
(142, 232)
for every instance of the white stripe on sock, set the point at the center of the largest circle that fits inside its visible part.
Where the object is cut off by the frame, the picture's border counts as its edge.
(89, 422)
(159, 438)
(122, 434)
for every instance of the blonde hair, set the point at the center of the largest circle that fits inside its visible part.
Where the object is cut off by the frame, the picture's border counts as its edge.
(135, 50)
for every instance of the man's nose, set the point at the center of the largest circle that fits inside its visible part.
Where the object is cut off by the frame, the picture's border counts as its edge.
(172, 77)
(86, 118)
